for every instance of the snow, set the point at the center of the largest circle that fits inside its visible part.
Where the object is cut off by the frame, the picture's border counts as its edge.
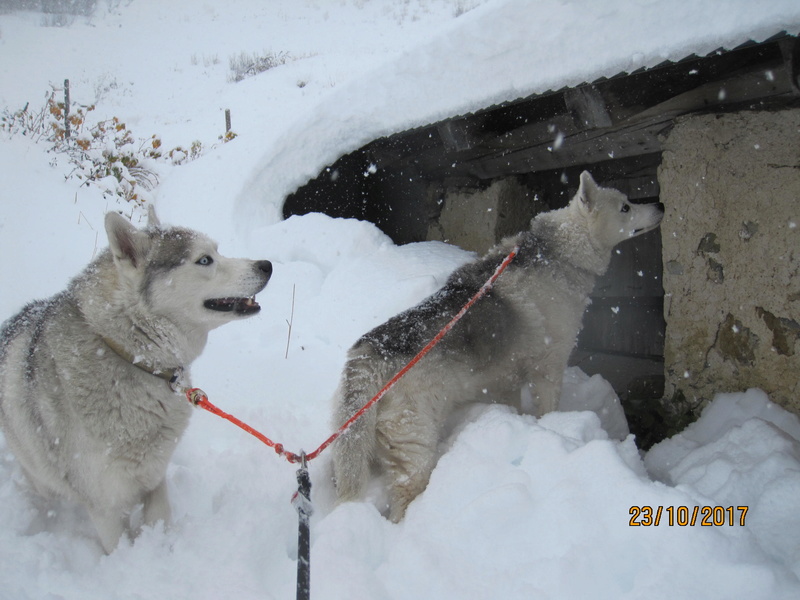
(517, 507)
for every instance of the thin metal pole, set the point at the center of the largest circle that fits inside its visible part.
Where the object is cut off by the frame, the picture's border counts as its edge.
(302, 503)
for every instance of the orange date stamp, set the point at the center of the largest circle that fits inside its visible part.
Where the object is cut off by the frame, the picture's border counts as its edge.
(687, 516)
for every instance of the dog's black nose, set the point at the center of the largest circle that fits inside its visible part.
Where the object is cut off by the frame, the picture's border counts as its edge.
(265, 267)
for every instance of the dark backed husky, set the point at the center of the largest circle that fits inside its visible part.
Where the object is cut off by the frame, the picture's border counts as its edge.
(512, 346)
(85, 403)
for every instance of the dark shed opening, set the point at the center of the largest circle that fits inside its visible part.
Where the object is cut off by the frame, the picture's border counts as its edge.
(476, 178)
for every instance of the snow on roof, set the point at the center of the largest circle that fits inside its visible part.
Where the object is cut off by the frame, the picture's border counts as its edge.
(498, 52)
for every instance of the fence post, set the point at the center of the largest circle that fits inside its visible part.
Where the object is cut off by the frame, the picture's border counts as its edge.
(66, 109)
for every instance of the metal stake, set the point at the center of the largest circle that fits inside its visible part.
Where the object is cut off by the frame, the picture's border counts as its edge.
(302, 503)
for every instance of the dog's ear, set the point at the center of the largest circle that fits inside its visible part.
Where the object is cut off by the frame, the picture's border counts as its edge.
(152, 219)
(128, 245)
(587, 191)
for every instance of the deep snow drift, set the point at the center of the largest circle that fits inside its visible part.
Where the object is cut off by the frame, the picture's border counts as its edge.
(517, 507)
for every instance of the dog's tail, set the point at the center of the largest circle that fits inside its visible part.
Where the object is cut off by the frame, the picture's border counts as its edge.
(354, 451)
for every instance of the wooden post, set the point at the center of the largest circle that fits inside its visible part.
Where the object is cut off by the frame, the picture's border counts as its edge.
(227, 120)
(66, 109)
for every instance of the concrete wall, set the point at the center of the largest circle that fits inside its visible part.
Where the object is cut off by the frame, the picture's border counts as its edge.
(731, 250)
(476, 219)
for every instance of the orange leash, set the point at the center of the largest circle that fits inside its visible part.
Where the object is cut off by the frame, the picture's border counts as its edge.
(302, 498)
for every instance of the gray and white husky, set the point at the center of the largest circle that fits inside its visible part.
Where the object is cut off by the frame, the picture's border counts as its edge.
(512, 346)
(86, 403)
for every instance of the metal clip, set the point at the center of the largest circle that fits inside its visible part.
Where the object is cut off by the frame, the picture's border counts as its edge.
(175, 381)
(301, 500)
(196, 396)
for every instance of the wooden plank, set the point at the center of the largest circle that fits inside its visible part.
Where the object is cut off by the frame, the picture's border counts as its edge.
(556, 143)
(764, 81)
(586, 148)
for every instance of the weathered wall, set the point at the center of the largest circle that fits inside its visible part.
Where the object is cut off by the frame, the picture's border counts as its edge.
(731, 249)
(477, 219)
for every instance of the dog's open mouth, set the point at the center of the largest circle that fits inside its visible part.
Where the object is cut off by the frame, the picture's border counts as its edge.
(641, 230)
(240, 306)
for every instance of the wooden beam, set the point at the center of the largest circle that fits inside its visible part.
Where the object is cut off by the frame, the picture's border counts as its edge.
(790, 50)
(588, 107)
(758, 83)
(638, 134)
(461, 134)
(586, 147)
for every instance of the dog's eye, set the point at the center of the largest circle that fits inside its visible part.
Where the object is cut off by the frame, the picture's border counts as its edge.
(205, 261)
(625, 208)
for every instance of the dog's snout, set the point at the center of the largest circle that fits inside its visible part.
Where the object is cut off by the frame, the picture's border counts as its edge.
(265, 267)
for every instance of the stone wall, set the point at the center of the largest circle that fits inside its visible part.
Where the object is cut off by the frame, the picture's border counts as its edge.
(476, 219)
(731, 250)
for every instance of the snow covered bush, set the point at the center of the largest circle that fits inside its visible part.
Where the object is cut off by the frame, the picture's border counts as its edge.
(108, 155)
(246, 65)
(25, 122)
(105, 154)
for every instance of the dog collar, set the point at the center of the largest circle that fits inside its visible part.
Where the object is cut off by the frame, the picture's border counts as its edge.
(171, 376)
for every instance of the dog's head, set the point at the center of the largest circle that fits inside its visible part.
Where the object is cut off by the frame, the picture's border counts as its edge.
(179, 274)
(610, 216)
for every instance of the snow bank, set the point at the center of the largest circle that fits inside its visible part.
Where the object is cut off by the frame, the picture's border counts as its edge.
(546, 506)
(744, 449)
(517, 507)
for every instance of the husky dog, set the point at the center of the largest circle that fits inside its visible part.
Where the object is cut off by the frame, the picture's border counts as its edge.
(86, 403)
(512, 346)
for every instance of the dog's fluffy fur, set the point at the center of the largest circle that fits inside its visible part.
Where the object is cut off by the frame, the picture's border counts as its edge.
(84, 402)
(512, 346)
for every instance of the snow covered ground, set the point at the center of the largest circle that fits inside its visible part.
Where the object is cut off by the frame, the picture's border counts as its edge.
(517, 507)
